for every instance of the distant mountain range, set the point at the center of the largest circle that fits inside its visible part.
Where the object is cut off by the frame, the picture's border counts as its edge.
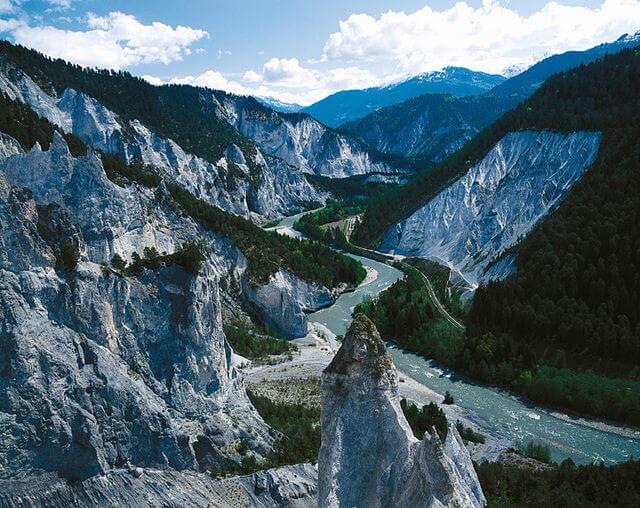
(349, 105)
(431, 127)
(526, 83)
(278, 105)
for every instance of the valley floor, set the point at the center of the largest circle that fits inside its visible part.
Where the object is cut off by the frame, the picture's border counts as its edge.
(298, 381)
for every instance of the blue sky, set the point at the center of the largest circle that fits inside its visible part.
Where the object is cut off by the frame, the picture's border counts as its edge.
(303, 50)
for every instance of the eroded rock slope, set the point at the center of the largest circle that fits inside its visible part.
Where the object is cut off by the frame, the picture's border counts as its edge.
(302, 141)
(474, 221)
(239, 182)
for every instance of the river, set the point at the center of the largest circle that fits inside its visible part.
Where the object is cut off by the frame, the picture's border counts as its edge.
(505, 414)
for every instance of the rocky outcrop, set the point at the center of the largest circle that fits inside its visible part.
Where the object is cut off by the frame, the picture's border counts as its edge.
(473, 223)
(302, 141)
(285, 300)
(369, 456)
(287, 487)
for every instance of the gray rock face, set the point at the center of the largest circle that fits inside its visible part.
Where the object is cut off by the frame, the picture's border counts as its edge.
(369, 456)
(110, 218)
(100, 370)
(20, 244)
(301, 141)
(287, 487)
(285, 300)
(269, 186)
(469, 225)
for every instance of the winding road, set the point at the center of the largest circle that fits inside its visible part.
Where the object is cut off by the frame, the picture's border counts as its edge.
(398, 259)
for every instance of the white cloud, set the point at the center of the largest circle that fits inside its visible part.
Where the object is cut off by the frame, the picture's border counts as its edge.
(488, 38)
(252, 77)
(288, 72)
(8, 25)
(350, 77)
(6, 6)
(114, 41)
(212, 79)
(61, 4)
(286, 79)
(153, 80)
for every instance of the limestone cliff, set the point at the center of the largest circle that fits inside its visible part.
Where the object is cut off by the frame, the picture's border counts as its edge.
(301, 140)
(100, 370)
(369, 456)
(119, 386)
(285, 299)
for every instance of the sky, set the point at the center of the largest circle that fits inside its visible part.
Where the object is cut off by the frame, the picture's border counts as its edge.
(300, 51)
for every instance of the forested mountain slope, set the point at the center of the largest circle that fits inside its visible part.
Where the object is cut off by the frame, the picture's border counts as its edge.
(429, 127)
(577, 282)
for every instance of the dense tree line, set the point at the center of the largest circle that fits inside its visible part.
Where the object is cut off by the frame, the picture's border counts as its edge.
(567, 485)
(334, 210)
(534, 450)
(439, 276)
(599, 96)
(425, 419)
(313, 225)
(300, 426)
(404, 314)
(430, 417)
(190, 256)
(250, 342)
(357, 186)
(405, 307)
